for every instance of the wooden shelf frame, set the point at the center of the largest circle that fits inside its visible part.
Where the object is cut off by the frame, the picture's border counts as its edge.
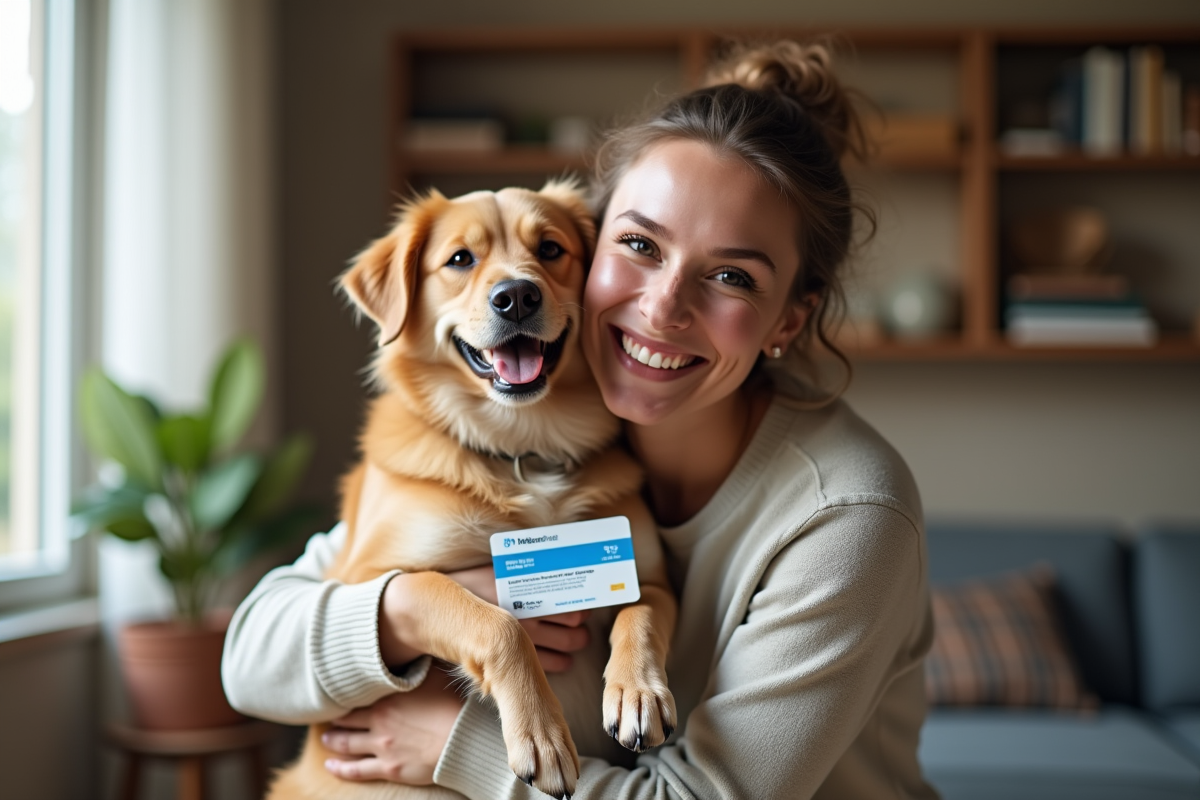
(978, 166)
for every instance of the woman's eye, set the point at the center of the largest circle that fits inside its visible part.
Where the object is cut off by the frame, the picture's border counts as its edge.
(462, 259)
(549, 250)
(643, 247)
(735, 277)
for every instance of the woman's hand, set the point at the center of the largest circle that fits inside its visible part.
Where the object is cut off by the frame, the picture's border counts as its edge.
(554, 637)
(399, 739)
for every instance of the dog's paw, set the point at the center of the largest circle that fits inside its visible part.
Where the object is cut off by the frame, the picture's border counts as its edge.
(639, 714)
(541, 752)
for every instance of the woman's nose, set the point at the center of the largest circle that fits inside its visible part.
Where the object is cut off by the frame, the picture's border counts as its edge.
(664, 302)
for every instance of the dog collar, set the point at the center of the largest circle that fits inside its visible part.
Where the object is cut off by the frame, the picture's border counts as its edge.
(526, 463)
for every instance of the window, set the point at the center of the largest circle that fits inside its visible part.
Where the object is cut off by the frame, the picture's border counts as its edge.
(38, 247)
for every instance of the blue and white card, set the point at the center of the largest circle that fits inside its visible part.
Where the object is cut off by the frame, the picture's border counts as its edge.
(570, 567)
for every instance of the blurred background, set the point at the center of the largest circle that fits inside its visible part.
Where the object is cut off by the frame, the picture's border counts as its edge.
(1024, 327)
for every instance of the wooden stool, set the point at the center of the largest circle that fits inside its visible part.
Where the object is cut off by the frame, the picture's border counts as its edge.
(191, 749)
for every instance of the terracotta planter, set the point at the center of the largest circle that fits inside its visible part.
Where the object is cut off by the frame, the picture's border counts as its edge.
(173, 674)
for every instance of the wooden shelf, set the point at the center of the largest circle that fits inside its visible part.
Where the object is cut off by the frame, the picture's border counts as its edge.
(511, 160)
(976, 163)
(517, 160)
(1078, 162)
(1176, 347)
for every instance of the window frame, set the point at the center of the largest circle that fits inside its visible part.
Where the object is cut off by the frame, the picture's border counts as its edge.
(73, 82)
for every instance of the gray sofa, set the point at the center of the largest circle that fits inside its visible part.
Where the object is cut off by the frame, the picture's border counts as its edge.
(1131, 613)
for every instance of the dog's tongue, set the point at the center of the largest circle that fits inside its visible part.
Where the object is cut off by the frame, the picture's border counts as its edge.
(518, 361)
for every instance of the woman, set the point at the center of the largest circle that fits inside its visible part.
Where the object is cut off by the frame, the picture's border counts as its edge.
(794, 532)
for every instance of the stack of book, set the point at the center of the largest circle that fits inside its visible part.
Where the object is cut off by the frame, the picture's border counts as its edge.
(1111, 102)
(1076, 310)
(457, 134)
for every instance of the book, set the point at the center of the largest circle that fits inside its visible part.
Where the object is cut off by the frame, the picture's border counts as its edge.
(1023, 286)
(1103, 101)
(1098, 311)
(1066, 103)
(1031, 142)
(1049, 332)
(1191, 120)
(1145, 100)
(461, 135)
(1172, 113)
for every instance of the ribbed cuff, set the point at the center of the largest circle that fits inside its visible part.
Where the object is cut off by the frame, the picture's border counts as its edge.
(475, 762)
(345, 646)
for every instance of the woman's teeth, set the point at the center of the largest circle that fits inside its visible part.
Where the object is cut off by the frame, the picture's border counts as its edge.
(652, 359)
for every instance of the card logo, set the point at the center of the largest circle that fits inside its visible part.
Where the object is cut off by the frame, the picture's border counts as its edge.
(527, 605)
(508, 542)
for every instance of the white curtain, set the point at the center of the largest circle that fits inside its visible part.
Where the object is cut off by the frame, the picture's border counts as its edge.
(188, 217)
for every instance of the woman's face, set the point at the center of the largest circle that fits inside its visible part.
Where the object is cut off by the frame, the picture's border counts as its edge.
(691, 281)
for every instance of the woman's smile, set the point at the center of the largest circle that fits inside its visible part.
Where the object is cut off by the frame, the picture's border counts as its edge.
(650, 359)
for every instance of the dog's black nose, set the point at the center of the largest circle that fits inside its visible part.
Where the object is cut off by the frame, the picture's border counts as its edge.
(515, 300)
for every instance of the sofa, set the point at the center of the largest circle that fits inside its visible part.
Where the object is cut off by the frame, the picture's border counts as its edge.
(1129, 609)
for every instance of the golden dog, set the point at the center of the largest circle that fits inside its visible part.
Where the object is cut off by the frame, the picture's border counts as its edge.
(490, 421)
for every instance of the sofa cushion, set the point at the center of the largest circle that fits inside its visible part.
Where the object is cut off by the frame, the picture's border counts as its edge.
(1091, 566)
(999, 642)
(1032, 754)
(1167, 604)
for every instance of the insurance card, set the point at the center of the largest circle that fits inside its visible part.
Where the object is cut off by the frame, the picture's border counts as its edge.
(568, 567)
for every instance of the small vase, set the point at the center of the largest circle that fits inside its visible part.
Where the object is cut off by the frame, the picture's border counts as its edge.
(172, 672)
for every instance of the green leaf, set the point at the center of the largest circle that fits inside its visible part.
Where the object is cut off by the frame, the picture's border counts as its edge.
(184, 441)
(132, 528)
(151, 407)
(98, 506)
(279, 477)
(222, 490)
(119, 427)
(236, 390)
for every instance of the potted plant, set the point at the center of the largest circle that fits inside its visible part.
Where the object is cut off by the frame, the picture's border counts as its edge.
(181, 482)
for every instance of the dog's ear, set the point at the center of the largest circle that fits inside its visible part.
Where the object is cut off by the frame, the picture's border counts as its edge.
(566, 193)
(383, 279)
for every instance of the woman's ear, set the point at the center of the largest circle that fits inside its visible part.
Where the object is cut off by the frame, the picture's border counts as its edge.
(383, 279)
(793, 319)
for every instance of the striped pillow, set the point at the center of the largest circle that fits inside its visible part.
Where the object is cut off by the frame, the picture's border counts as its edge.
(998, 642)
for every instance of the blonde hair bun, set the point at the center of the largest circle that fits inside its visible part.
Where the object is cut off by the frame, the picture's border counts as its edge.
(802, 72)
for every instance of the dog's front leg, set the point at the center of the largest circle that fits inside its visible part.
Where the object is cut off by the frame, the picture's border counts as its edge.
(639, 709)
(450, 623)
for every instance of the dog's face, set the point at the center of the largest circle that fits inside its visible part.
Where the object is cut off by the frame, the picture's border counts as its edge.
(487, 286)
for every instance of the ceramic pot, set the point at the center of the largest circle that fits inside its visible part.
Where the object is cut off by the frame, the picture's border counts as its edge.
(918, 306)
(173, 674)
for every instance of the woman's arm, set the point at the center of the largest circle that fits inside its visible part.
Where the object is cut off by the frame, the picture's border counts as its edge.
(301, 649)
(833, 623)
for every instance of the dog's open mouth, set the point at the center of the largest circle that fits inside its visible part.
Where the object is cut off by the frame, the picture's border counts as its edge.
(519, 366)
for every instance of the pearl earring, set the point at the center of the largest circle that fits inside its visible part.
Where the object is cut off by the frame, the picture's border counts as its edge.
(776, 352)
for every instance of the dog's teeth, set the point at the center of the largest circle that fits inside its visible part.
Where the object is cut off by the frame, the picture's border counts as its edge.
(644, 355)
(655, 361)
(487, 356)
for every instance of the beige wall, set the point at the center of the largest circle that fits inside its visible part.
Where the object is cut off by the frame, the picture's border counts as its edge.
(1015, 440)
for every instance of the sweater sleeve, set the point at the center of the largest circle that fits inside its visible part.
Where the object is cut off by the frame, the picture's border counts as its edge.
(830, 625)
(301, 649)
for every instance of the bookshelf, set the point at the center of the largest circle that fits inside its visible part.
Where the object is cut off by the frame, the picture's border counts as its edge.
(606, 74)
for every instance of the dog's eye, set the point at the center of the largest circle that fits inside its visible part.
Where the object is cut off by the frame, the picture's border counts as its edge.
(462, 259)
(550, 250)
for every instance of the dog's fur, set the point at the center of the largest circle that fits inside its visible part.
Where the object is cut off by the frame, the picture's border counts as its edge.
(437, 478)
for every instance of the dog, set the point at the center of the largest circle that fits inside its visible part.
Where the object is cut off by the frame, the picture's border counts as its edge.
(489, 420)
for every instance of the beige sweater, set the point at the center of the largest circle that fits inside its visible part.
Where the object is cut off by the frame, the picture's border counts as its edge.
(796, 665)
